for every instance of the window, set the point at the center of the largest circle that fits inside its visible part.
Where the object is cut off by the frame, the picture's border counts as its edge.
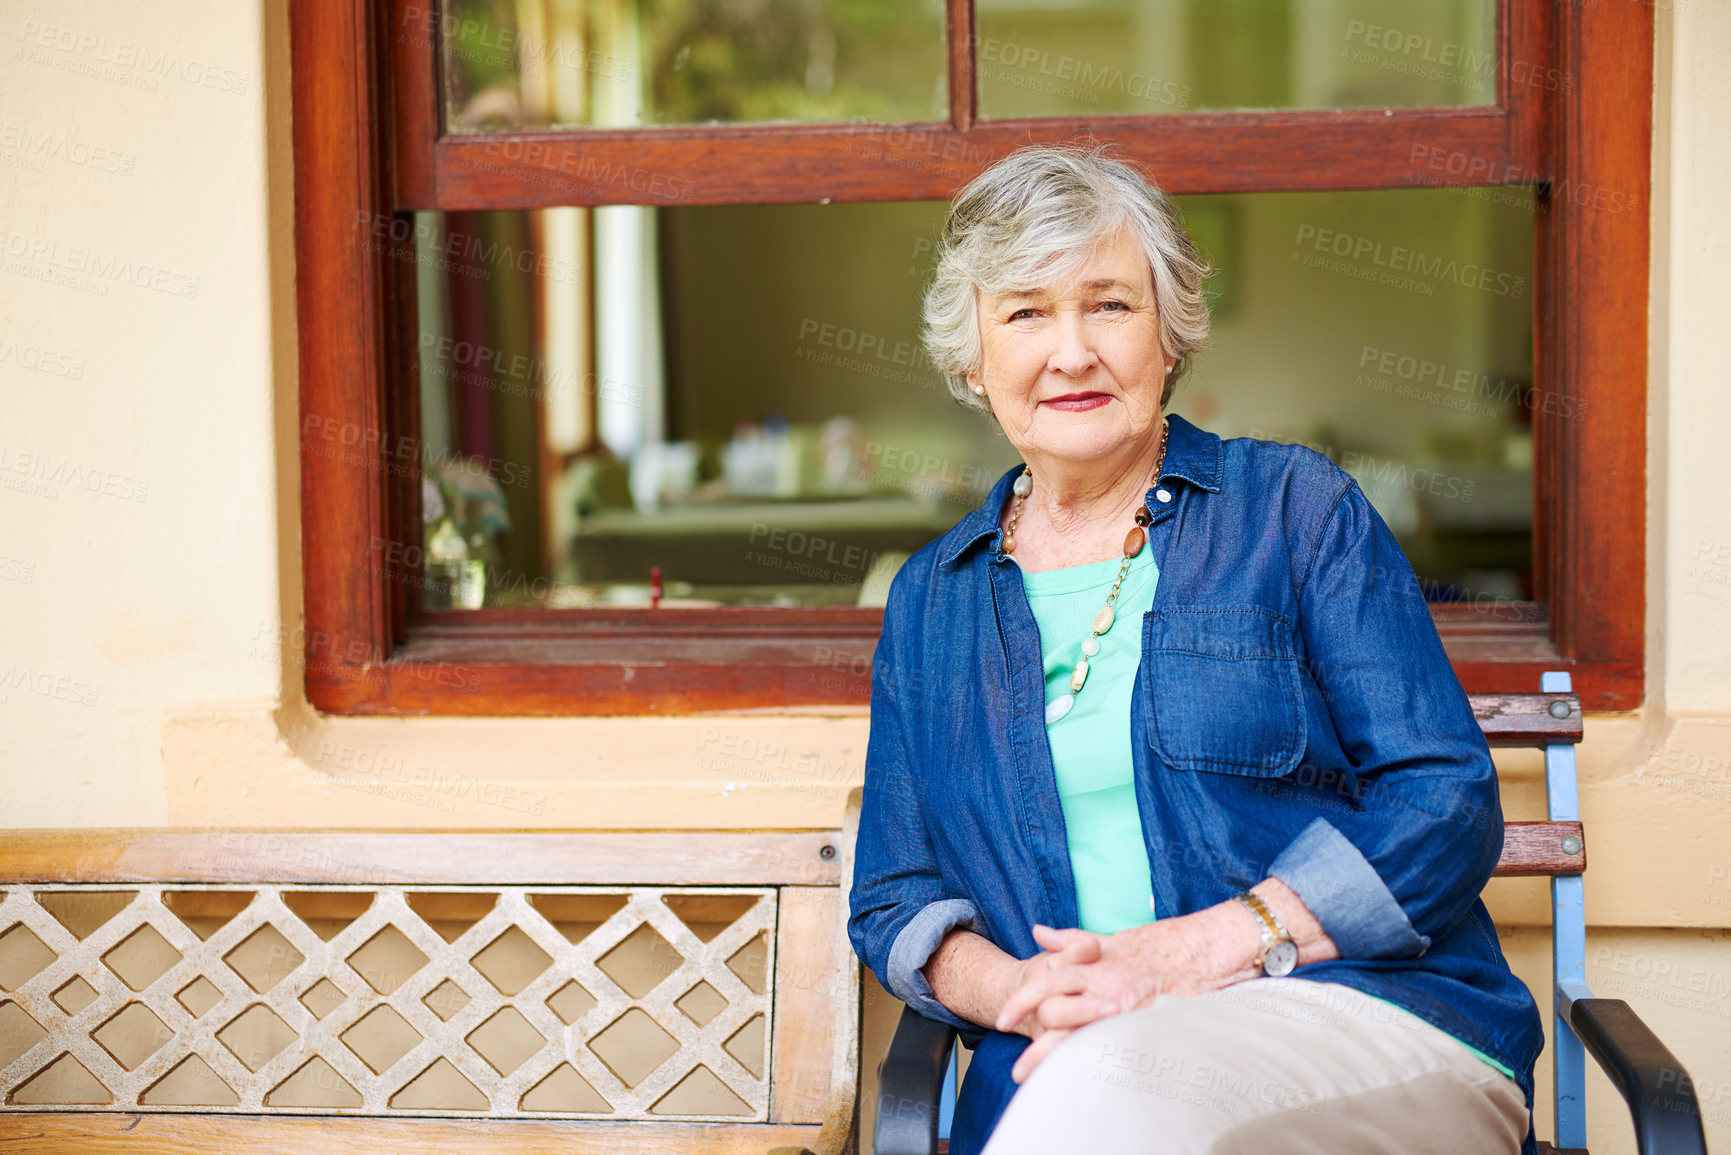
(570, 312)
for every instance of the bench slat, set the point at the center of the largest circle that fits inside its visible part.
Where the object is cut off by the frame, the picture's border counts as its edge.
(1526, 719)
(448, 858)
(1537, 848)
(808, 979)
(426, 858)
(84, 1133)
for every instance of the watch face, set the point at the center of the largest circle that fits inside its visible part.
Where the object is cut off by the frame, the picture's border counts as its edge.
(1280, 959)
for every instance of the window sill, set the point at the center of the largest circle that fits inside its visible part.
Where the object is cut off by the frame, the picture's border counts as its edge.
(638, 662)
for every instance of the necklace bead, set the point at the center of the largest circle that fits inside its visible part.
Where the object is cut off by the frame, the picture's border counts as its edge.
(1079, 676)
(1058, 707)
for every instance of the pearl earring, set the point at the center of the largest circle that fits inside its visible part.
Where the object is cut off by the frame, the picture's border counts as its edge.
(980, 389)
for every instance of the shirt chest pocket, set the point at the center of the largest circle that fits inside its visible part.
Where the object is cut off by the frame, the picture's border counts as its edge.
(1223, 690)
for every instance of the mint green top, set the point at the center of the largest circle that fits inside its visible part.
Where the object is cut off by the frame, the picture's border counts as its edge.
(1091, 744)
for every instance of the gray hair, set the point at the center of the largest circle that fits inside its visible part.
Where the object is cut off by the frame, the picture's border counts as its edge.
(1037, 214)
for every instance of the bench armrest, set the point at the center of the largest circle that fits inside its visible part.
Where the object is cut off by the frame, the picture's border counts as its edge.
(1660, 1096)
(910, 1080)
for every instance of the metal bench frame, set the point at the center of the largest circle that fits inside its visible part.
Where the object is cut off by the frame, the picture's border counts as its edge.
(917, 1080)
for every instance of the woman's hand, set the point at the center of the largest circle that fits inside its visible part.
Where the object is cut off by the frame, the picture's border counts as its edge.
(1080, 977)
(1064, 955)
(1186, 956)
(1055, 971)
(973, 978)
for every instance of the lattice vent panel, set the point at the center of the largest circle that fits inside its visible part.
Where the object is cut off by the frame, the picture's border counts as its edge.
(556, 1002)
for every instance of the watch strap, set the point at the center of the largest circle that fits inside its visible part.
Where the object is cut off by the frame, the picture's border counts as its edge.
(1272, 931)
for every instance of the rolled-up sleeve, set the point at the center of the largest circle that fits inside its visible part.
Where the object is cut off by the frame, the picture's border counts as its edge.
(1343, 890)
(900, 907)
(914, 946)
(1427, 829)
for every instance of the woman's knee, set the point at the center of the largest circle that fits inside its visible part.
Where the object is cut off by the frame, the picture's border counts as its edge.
(1104, 1086)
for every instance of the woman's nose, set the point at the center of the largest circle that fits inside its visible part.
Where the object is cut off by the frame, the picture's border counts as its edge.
(1073, 354)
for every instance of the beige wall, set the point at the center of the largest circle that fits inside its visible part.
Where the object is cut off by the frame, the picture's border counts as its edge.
(150, 554)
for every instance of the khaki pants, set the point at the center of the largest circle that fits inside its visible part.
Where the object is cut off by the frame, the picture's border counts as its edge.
(1268, 1067)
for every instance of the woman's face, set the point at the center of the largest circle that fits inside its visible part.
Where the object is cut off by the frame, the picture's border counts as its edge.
(1075, 369)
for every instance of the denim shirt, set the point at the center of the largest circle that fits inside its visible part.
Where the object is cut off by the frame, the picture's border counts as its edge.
(1294, 716)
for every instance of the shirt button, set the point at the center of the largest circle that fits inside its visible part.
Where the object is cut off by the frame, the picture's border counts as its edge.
(1163, 495)
(1151, 909)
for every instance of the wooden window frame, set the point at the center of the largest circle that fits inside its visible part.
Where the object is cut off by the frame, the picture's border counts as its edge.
(369, 144)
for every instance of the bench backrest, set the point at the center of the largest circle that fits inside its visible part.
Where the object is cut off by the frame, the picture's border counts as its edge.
(669, 990)
(1561, 852)
(1550, 721)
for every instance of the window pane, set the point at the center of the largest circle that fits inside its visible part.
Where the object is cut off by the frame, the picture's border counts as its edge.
(538, 64)
(1391, 331)
(1144, 57)
(735, 396)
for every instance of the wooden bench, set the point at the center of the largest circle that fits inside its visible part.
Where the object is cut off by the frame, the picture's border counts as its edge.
(427, 992)
(916, 1089)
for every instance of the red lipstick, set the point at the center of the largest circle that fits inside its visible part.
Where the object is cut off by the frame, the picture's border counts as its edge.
(1078, 402)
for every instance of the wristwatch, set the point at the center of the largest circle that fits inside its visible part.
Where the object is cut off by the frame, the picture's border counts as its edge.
(1279, 953)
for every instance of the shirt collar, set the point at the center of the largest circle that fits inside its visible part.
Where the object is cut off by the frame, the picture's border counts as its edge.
(1192, 455)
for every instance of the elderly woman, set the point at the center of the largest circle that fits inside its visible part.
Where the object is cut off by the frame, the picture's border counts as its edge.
(1173, 803)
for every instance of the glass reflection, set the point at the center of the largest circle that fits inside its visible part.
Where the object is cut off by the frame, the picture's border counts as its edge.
(538, 64)
(1153, 57)
(731, 405)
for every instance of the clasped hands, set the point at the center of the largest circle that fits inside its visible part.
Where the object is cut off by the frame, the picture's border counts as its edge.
(1079, 976)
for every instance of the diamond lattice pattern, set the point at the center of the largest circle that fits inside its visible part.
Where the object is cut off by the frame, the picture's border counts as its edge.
(584, 1002)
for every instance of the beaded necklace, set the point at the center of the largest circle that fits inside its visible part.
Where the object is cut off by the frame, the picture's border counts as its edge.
(1133, 542)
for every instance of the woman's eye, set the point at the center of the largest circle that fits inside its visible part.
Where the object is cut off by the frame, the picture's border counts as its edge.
(1021, 314)
(1114, 306)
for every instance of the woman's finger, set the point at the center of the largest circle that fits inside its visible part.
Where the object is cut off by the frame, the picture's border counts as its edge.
(1036, 1053)
(1036, 990)
(1083, 950)
(1026, 999)
(1067, 1012)
(1058, 940)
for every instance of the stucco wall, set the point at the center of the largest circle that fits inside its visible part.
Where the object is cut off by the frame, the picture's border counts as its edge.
(150, 555)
